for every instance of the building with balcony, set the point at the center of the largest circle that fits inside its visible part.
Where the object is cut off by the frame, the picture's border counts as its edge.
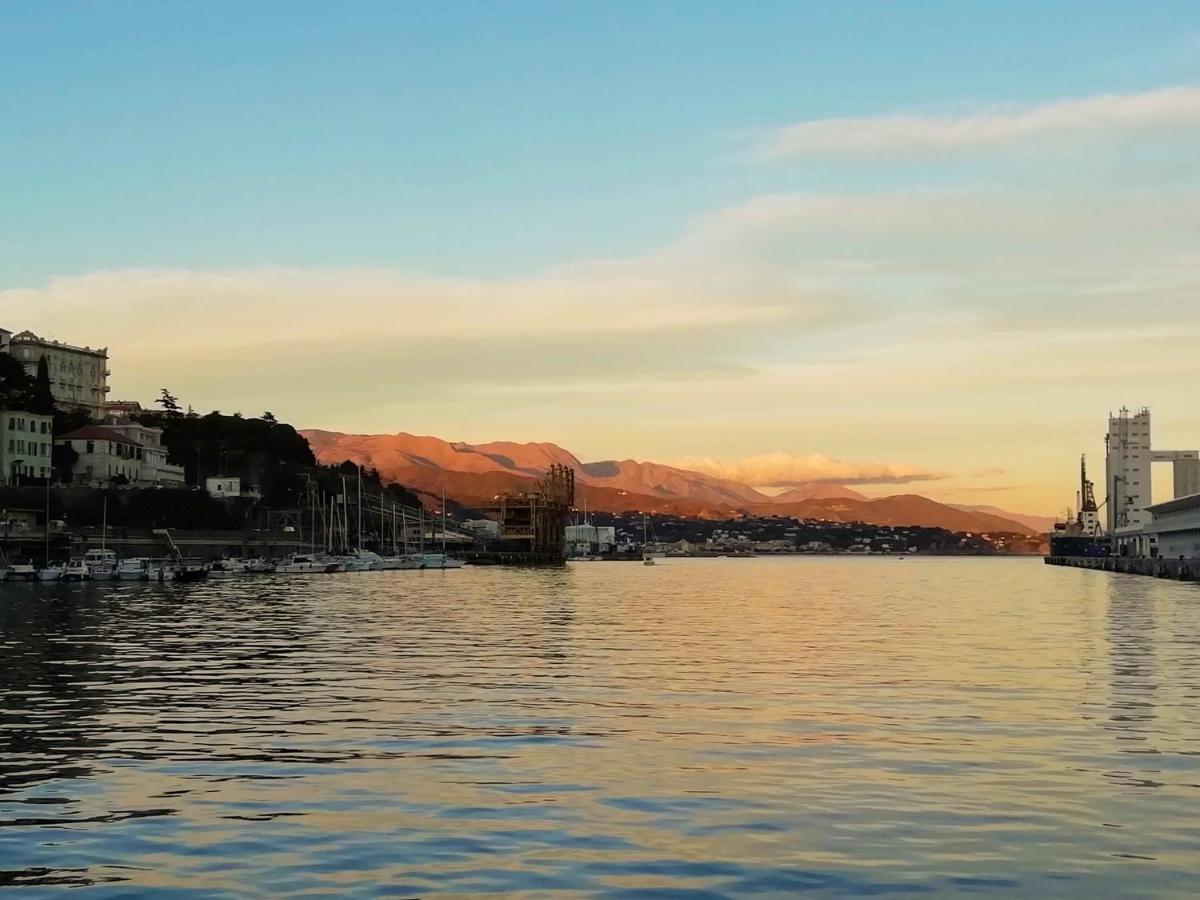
(122, 409)
(108, 454)
(26, 446)
(78, 375)
(155, 469)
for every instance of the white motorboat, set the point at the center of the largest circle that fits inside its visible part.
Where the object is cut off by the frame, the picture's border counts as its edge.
(22, 572)
(101, 564)
(303, 564)
(352, 564)
(134, 569)
(259, 566)
(51, 572)
(440, 561)
(369, 558)
(76, 570)
(227, 568)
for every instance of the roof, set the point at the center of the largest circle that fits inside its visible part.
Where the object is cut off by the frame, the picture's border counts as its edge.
(5, 411)
(1190, 501)
(28, 337)
(96, 433)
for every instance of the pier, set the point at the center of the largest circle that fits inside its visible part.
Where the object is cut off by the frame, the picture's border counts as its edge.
(1156, 567)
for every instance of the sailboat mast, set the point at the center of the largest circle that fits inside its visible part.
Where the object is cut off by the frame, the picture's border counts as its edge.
(47, 522)
(443, 522)
(104, 527)
(359, 535)
(343, 518)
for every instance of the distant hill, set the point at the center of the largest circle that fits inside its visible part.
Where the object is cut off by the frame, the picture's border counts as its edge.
(900, 509)
(1040, 524)
(474, 474)
(817, 490)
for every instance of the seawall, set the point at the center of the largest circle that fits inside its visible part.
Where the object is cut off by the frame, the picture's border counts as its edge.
(1177, 569)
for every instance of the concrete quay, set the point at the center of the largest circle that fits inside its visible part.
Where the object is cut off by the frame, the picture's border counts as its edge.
(1155, 567)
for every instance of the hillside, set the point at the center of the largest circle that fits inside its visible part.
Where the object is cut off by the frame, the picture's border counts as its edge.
(474, 474)
(1040, 524)
(817, 490)
(900, 509)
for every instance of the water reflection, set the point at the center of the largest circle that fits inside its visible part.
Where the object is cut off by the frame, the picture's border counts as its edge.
(702, 728)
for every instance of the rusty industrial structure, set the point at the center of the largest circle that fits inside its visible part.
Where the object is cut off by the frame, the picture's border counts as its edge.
(532, 524)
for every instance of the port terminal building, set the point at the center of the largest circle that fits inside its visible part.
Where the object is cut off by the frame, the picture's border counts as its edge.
(1173, 531)
(1138, 526)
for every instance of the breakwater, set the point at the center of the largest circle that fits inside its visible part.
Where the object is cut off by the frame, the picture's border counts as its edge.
(1177, 569)
(130, 542)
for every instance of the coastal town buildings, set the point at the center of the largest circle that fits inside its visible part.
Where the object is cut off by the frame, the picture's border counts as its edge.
(122, 409)
(230, 487)
(484, 528)
(120, 454)
(153, 453)
(26, 446)
(78, 375)
(590, 538)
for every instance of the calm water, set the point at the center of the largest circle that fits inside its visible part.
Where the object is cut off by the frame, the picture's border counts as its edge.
(699, 729)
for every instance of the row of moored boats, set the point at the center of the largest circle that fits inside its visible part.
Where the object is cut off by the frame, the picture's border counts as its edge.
(103, 565)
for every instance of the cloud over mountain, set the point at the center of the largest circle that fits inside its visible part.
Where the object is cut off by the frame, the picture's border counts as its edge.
(785, 470)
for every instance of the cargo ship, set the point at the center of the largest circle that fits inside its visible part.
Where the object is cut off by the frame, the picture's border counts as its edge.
(1081, 534)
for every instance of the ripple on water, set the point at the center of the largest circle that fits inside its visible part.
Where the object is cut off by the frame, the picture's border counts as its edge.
(706, 728)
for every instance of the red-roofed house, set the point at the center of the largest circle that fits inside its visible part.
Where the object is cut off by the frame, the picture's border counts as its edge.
(107, 453)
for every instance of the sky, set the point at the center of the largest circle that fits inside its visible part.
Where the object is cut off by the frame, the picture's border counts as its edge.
(920, 247)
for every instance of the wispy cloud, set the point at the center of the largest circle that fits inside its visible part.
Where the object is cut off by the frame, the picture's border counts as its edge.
(784, 469)
(902, 134)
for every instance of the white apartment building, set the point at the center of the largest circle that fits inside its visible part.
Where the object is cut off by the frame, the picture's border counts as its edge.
(26, 446)
(154, 469)
(78, 375)
(107, 453)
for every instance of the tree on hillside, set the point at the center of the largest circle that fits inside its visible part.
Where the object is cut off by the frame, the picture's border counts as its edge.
(43, 398)
(63, 458)
(170, 403)
(66, 420)
(272, 456)
(269, 418)
(16, 387)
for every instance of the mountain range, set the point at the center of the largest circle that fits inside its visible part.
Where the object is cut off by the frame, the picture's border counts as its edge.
(474, 474)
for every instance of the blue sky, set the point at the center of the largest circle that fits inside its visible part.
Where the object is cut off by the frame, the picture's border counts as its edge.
(480, 138)
(773, 238)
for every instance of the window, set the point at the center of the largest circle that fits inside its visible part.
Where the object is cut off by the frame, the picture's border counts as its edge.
(12, 446)
(91, 446)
